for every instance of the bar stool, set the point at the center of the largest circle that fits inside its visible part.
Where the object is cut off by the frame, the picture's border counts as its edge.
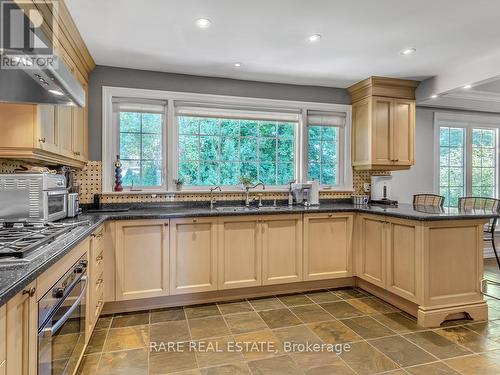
(428, 200)
(490, 204)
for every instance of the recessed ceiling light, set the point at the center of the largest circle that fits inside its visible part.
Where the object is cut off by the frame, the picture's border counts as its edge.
(56, 92)
(203, 23)
(467, 87)
(314, 38)
(434, 96)
(237, 64)
(408, 51)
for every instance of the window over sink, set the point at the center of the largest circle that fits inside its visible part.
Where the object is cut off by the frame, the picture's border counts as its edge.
(202, 140)
(221, 149)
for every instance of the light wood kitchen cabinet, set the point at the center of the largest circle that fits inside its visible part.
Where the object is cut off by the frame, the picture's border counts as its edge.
(372, 251)
(404, 251)
(240, 252)
(281, 249)
(193, 255)
(142, 260)
(48, 136)
(48, 133)
(22, 330)
(96, 279)
(3, 339)
(383, 129)
(327, 246)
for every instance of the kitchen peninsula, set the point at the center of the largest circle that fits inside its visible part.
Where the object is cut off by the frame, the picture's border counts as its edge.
(426, 262)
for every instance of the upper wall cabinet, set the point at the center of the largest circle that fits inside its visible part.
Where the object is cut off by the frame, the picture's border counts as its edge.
(50, 133)
(383, 113)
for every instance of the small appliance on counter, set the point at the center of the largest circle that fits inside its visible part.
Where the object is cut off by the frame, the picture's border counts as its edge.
(33, 197)
(381, 191)
(73, 204)
(306, 194)
(314, 193)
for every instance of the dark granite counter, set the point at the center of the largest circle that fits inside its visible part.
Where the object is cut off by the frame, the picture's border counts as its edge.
(13, 278)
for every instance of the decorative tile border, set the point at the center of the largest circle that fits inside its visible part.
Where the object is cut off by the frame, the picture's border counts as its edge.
(90, 179)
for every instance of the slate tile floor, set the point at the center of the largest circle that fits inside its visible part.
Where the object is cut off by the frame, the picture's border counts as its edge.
(382, 339)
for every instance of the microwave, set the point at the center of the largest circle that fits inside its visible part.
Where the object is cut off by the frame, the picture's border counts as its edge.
(33, 197)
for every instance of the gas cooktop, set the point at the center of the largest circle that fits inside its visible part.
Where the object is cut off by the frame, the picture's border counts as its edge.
(20, 240)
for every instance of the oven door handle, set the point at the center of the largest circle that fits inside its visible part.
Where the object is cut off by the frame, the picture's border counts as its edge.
(57, 325)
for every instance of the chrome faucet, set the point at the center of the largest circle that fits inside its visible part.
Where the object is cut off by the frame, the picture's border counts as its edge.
(212, 200)
(247, 189)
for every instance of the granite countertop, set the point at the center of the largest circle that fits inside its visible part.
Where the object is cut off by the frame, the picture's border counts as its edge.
(15, 277)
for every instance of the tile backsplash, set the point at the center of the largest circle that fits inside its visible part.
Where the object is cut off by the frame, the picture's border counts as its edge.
(90, 180)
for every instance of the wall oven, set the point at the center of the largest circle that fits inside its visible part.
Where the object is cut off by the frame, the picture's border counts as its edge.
(61, 318)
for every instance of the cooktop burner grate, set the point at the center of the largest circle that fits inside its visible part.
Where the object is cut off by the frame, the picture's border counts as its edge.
(20, 241)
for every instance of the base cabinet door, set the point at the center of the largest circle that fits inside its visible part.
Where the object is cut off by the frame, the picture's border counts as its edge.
(281, 249)
(373, 250)
(22, 333)
(240, 252)
(193, 255)
(327, 246)
(141, 259)
(403, 247)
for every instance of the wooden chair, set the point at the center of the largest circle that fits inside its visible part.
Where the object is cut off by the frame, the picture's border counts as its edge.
(488, 204)
(428, 200)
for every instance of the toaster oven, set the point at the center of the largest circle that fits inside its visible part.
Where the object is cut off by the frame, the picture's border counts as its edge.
(32, 197)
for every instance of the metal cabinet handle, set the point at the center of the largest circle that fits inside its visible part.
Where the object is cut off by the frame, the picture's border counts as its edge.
(30, 292)
(330, 215)
(99, 258)
(93, 235)
(99, 282)
(77, 153)
(195, 220)
(43, 139)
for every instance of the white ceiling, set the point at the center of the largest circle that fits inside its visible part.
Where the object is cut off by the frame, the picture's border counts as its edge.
(360, 37)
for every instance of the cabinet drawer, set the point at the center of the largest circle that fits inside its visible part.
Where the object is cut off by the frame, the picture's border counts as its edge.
(3, 338)
(98, 239)
(98, 306)
(97, 265)
(97, 285)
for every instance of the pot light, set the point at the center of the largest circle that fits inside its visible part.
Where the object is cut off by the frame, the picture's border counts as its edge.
(314, 38)
(434, 96)
(56, 92)
(408, 51)
(237, 64)
(203, 23)
(467, 87)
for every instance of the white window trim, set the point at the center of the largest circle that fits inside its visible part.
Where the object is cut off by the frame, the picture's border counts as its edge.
(468, 122)
(109, 136)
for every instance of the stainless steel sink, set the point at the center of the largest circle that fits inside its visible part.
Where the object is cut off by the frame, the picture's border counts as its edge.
(234, 208)
(246, 209)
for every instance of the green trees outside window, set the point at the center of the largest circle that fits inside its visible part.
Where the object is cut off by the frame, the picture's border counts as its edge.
(141, 148)
(218, 151)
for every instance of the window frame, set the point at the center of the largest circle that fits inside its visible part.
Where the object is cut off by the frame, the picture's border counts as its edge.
(171, 157)
(467, 122)
(238, 187)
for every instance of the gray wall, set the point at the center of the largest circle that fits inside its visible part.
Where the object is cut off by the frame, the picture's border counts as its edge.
(120, 77)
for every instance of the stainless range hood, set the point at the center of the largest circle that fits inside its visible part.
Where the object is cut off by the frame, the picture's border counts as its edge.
(32, 86)
(22, 80)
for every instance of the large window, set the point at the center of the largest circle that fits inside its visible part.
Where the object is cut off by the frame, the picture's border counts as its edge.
(215, 151)
(140, 144)
(169, 141)
(468, 150)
